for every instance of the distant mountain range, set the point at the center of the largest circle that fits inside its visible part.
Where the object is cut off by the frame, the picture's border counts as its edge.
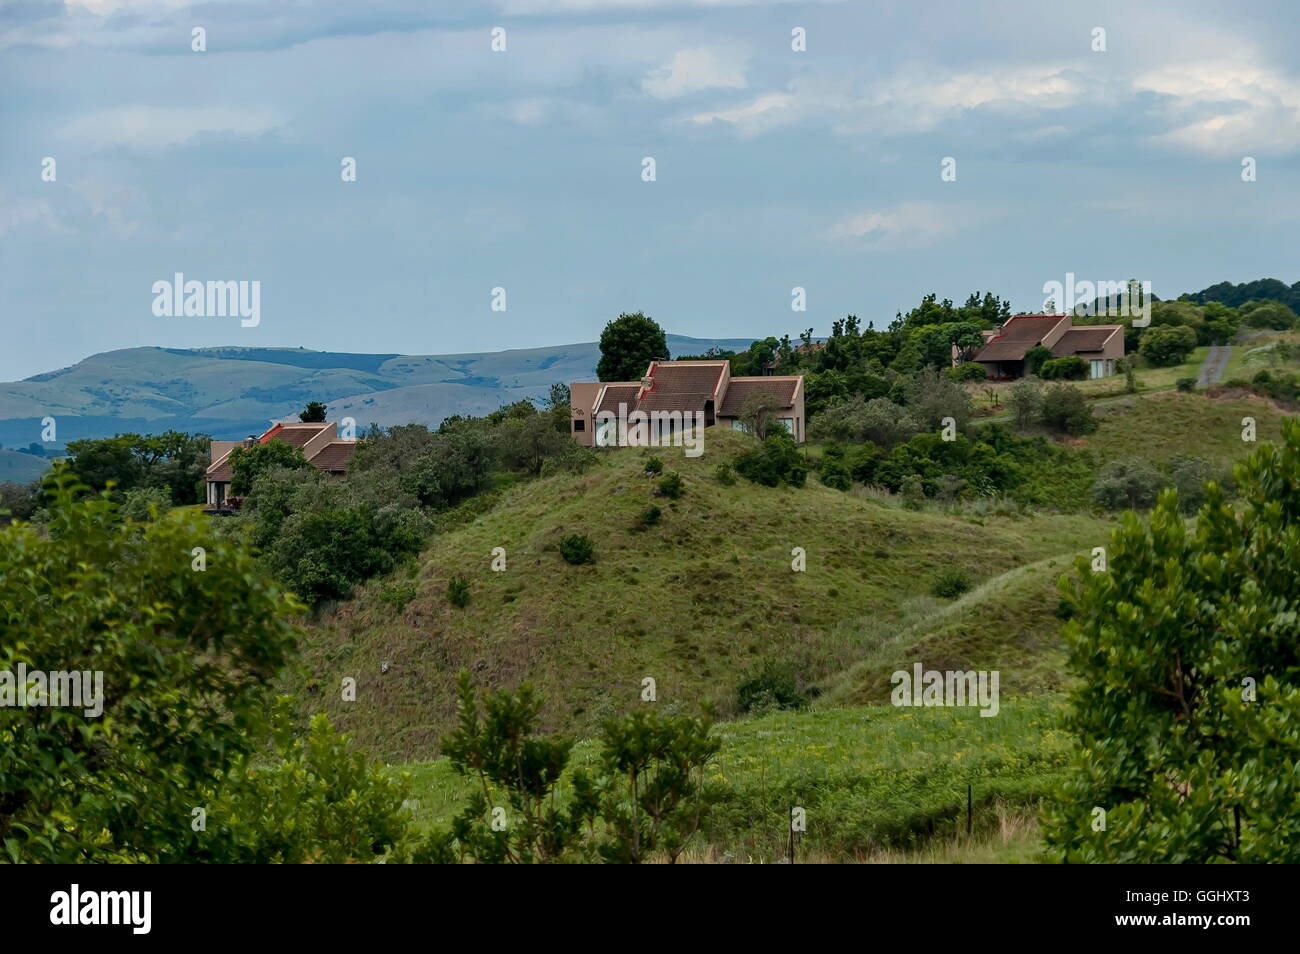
(232, 392)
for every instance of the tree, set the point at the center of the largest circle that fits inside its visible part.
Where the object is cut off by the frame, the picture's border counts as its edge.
(1066, 411)
(1128, 485)
(649, 799)
(627, 346)
(248, 463)
(1025, 400)
(1167, 345)
(172, 460)
(313, 413)
(187, 661)
(1187, 652)
(757, 412)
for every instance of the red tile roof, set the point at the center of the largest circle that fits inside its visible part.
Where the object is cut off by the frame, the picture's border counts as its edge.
(616, 394)
(335, 456)
(1083, 340)
(1018, 335)
(783, 389)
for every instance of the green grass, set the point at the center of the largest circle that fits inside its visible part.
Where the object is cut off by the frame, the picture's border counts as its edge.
(876, 783)
(1159, 427)
(693, 602)
(1259, 354)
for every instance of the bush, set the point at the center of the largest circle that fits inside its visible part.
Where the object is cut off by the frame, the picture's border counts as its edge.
(1185, 384)
(725, 475)
(654, 465)
(1025, 401)
(1072, 368)
(1189, 475)
(458, 591)
(648, 517)
(1035, 358)
(1066, 411)
(1128, 485)
(1167, 345)
(773, 686)
(970, 371)
(671, 486)
(950, 584)
(776, 461)
(913, 491)
(576, 549)
(835, 474)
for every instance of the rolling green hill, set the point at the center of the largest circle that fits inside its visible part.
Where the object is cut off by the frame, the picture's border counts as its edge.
(694, 603)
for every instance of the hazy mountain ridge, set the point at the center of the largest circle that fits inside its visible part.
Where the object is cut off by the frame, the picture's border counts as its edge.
(229, 392)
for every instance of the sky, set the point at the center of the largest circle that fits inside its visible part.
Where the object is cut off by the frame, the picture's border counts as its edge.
(524, 168)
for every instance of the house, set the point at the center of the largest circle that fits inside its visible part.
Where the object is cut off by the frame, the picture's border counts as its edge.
(1003, 353)
(674, 394)
(320, 444)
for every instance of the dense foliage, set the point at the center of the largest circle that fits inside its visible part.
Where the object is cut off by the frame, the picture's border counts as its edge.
(1187, 711)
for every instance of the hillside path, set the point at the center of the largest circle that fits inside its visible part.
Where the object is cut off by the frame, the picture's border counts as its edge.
(1216, 362)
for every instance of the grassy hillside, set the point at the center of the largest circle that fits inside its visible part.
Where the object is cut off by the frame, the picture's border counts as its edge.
(1158, 427)
(21, 468)
(874, 782)
(694, 603)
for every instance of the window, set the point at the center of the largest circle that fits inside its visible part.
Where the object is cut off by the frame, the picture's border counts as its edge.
(579, 425)
(737, 424)
(1097, 365)
(787, 423)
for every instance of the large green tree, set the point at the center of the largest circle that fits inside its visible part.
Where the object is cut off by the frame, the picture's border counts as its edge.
(1187, 650)
(627, 346)
(173, 460)
(186, 653)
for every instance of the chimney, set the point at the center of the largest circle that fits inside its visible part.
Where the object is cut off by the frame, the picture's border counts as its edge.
(250, 440)
(647, 383)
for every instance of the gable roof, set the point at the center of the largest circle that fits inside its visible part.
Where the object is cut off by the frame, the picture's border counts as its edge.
(1085, 339)
(680, 385)
(332, 456)
(616, 393)
(782, 388)
(1017, 336)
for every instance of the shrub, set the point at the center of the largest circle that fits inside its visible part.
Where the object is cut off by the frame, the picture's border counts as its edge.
(1066, 411)
(950, 584)
(654, 465)
(1189, 475)
(1167, 345)
(576, 549)
(1185, 384)
(913, 491)
(1071, 368)
(671, 486)
(458, 591)
(835, 474)
(970, 371)
(771, 687)
(777, 460)
(725, 475)
(1035, 358)
(648, 517)
(1177, 753)
(1025, 401)
(1128, 485)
